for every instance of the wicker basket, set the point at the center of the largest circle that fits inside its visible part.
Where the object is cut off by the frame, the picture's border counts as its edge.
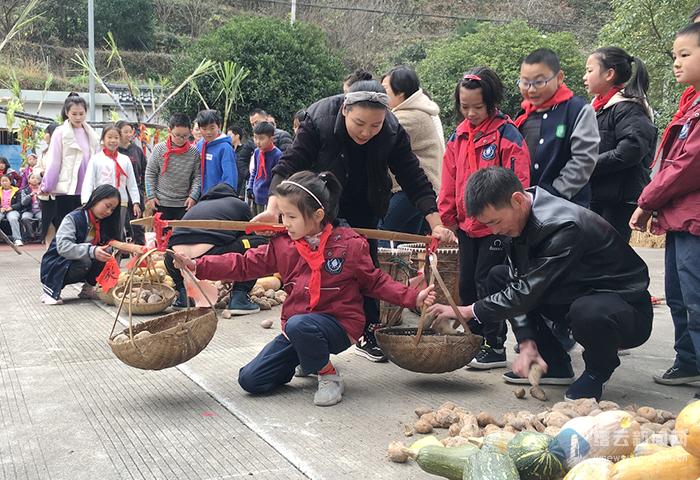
(165, 291)
(395, 263)
(448, 266)
(434, 354)
(175, 338)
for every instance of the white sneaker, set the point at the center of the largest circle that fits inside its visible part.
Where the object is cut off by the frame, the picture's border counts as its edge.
(88, 291)
(19, 243)
(49, 300)
(300, 373)
(330, 390)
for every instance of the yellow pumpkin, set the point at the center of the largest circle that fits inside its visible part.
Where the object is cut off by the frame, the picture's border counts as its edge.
(673, 463)
(591, 469)
(644, 449)
(688, 428)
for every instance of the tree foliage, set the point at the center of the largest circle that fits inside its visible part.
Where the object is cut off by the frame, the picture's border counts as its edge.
(501, 48)
(291, 66)
(646, 29)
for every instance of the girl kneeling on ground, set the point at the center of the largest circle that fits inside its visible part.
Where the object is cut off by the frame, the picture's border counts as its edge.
(79, 251)
(326, 270)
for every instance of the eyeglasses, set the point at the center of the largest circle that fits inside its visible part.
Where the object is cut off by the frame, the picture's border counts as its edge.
(181, 137)
(525, 84)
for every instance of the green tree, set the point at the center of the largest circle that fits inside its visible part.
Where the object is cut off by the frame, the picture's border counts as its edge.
(501, 48)
(646, 29)
(291, 66)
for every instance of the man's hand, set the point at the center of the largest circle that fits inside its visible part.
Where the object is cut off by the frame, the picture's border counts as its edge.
(640, 220)
(101, 253)
(426, 296)
(181, 261)
(444, 234)
(152, 204)
(137, 210)
(528, 355)
(189, 203)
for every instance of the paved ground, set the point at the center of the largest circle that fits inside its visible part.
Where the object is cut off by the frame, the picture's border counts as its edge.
(70, 410)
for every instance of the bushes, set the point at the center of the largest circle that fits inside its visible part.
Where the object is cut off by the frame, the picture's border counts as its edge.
(291, 67)
(500, 47)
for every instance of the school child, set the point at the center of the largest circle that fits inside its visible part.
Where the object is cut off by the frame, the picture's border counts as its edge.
(109, 167)
(627, 134)
(5, 169)
(79, 250)
(486, 137)
(10, 207)
(31, 206)
(560, 129)
(325, 270)
(26, 172)
(138, 163)
(217, 158)
(671, 201)
(172, 174)
(265, 158)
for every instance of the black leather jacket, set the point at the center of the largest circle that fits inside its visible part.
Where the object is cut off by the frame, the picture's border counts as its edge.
(564, 252)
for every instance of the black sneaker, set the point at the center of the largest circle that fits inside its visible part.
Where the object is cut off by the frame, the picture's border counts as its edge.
(489, 358)
(588, 385)
(677, 376)
(241, 304)
(367, 347)
(564, 377)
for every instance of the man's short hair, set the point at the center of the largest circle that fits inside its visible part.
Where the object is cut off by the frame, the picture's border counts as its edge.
(207, 117)
(491, 186)
(546, 56)
(264, 128)
(179, 120)
(258, 111)
(235, 130)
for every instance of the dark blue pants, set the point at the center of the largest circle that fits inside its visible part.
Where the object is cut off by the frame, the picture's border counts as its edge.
(683, 296)
(402, 216)
(310, 341)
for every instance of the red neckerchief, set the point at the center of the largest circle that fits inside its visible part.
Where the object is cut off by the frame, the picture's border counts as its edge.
(689, 96)
(118, 170)
(471, 142)
(314, 258)
(203, 159)
(170, 150)
(262, 171)
(562, 94)
(95, 222)
(600, 102)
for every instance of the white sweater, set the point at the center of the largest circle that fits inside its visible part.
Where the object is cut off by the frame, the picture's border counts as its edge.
(101, 171)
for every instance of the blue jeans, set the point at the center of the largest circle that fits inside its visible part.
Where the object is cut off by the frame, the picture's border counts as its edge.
(683, 296)
(310, 341)
(401, 216)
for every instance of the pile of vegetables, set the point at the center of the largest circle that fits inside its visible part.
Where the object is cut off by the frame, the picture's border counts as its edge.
(141, 295)
(588, 439)
(267, 293)
(154, 273)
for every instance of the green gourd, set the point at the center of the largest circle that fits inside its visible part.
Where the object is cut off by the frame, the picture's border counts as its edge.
(443, 461)
(490, 464)
(533, 458)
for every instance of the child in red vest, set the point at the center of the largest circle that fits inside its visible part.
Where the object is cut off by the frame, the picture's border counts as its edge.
(326, 270)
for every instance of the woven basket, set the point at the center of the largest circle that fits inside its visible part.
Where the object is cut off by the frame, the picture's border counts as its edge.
(434, 354)
(167, 293)
(448, 266)
(395, 263)
(175, 338)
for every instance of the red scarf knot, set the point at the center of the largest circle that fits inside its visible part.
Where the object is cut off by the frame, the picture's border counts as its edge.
(262, 170)
(687, 99)
(562, 94)
(118, 170)
(315, 259)
(475, 133)
(599, 102)
(170, 150)
(95, 222)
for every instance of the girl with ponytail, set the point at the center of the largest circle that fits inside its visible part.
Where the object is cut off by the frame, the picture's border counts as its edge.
(619, 84)
(325, 270)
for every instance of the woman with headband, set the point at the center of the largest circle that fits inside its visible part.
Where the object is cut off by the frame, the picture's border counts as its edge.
(359, 140)
(485, 138)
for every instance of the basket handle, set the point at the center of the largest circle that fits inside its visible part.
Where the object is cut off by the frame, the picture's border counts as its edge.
(424, 309)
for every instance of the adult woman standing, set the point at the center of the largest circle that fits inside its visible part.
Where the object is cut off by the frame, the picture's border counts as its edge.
(72, 145)
(356, 137)
(418, 115)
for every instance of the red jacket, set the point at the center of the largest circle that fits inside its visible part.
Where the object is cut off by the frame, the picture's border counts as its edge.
(501, 145)
(674, 192)
(346, 276)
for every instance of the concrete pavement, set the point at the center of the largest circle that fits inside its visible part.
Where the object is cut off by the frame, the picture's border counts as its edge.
(70, 410)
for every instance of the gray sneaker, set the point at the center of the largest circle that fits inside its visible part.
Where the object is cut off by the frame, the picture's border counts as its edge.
(300, 373)
(330, 390)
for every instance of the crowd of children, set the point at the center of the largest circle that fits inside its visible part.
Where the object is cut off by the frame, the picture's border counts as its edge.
(597, 154)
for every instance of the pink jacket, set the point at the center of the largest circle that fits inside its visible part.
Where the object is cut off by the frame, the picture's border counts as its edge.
(501, 145)
(346, 276)
(674, 192)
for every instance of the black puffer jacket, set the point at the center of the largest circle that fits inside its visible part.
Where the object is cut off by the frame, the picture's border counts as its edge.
(320, 145)
(627, 145)
(564, 252)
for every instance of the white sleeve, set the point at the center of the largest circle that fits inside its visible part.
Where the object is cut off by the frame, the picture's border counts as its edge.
(88, 181)
(131, 184)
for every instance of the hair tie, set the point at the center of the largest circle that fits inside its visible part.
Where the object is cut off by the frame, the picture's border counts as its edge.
(305, 189)
(471, 76)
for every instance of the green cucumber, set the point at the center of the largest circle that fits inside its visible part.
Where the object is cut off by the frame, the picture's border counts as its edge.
(490, 464)
(445, 462)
